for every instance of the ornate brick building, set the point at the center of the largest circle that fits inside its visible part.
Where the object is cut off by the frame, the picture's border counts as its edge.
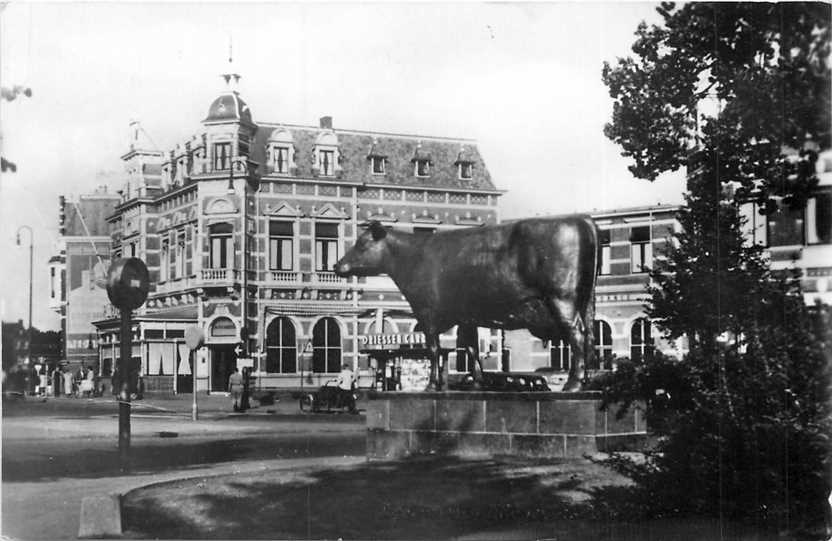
(241, 224)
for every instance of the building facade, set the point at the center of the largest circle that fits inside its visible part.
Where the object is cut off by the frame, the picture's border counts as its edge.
(630, 240)
(240, 227)
(800, 239)
(77, 288)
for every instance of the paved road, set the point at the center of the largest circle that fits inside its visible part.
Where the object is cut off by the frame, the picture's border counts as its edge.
(58, 451)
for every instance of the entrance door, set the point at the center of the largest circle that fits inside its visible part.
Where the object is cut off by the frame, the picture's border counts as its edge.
(223, 362)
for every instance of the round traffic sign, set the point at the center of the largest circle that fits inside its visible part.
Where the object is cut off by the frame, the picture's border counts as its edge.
(128, 283)
(194, 337)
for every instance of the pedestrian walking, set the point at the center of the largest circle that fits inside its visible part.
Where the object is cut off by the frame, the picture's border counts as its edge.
(235, 387)
(68, 379)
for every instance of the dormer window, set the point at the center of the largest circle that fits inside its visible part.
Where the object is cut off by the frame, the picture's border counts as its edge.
(326, 162)
(421, 161)
(326, 154)
(378, 165)
(466, 170)
(280, 159)
(465, 164)
(280, 152)
(422, 168)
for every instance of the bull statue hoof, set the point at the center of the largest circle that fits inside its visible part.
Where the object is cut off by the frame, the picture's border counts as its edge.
(572, 385)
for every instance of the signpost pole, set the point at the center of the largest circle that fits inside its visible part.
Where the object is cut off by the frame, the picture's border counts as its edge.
(127, 285)
(194, 339)
(124, 392)
(194, 409)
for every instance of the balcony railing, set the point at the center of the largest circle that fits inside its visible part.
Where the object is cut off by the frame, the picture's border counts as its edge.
(322, 277)
(221, 275)
(284, 276)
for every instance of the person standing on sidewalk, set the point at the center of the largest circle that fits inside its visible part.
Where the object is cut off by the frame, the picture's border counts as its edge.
(346, 384)
(235, 387)
(68, 382)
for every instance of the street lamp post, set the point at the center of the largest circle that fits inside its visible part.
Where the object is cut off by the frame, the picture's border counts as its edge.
(31, 252)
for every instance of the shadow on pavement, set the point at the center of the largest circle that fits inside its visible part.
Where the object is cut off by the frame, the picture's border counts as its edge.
(417, 498)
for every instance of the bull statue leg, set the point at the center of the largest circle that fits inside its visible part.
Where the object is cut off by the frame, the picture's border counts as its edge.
(432, 342)
(573, 323)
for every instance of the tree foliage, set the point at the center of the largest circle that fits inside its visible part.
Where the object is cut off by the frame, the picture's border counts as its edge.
(766, 69)
(744, 419)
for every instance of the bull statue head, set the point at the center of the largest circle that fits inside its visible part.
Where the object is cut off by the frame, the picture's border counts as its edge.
(369, 255)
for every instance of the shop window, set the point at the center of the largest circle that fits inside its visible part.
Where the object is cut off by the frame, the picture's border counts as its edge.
(326, 346)
(819, 219)
(641, 341)
(560, 355)
(222, 253)
(641, 249)
(326, 246)
(281, 245)
(603, 345)
(606, 250)
(281, 347)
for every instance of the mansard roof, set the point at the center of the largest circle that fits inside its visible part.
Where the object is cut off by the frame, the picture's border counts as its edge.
(356, 147)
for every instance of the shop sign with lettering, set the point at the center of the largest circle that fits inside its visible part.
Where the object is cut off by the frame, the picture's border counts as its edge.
(380, 340)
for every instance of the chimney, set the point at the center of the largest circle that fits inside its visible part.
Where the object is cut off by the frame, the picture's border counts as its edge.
(326, 122)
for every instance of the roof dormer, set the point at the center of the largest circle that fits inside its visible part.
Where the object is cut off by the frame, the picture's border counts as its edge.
(326, 156)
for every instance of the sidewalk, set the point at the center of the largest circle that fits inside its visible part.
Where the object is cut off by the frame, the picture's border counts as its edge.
(52, 510)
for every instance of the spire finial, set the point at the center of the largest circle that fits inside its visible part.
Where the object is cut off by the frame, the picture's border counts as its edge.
(231, 78)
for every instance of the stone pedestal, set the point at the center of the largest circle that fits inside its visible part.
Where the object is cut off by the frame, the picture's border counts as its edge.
(562, 425)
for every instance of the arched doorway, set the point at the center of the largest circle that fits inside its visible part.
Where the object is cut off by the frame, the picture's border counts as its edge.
(223, 337)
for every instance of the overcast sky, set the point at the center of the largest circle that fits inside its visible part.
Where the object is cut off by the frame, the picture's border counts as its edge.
(524, 80)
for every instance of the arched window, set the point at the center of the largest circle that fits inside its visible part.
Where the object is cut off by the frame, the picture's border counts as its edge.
(326, 346)
(560, 354)
(281, 347)
(603, 345)
(641, 341)
(223, 328)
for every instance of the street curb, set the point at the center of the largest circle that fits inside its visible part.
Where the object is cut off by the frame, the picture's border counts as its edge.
(100, 517)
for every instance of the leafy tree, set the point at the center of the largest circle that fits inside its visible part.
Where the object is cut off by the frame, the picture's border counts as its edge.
(764, 67)
(743, 421)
